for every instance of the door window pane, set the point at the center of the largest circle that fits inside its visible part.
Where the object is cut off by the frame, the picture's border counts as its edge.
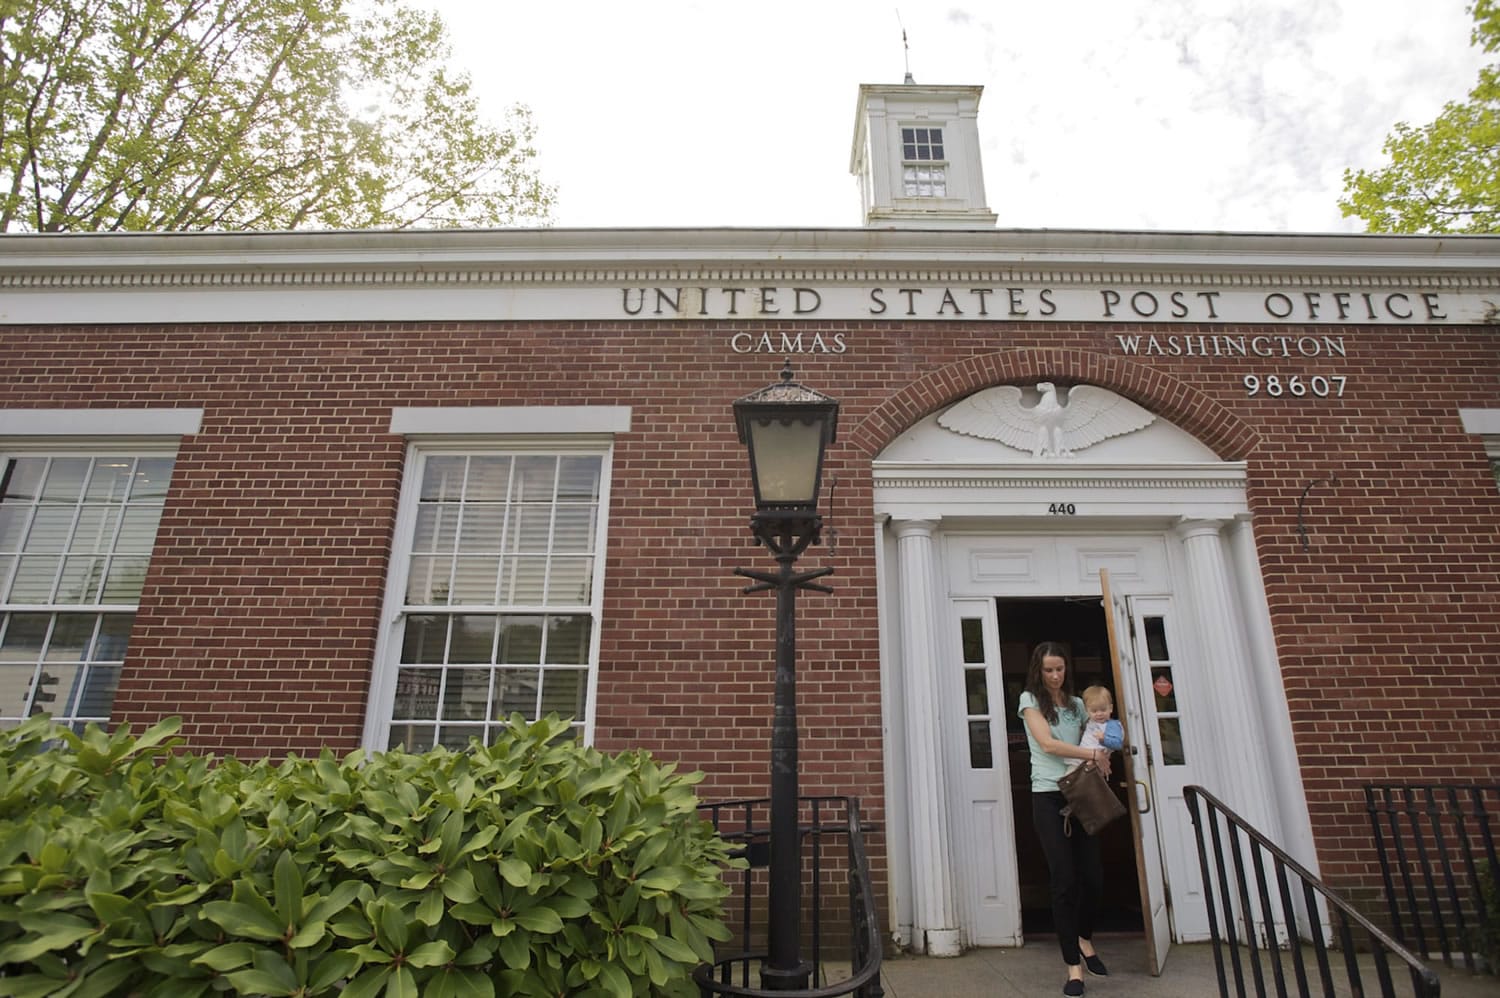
(976, 693)
(1170, 730)
(973, 639)
(981, 752)
(1156, 639)
(1164, 693)
(1164, 690)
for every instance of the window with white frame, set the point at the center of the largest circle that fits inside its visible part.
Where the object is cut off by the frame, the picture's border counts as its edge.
(76, 534)
(499, 591)
(924, 165)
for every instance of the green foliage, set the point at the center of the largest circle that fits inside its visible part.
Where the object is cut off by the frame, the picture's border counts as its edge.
(1444, 176)
(534, 866)
(150, 115)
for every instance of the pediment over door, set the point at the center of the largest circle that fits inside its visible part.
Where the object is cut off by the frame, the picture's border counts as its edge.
(1054, 452)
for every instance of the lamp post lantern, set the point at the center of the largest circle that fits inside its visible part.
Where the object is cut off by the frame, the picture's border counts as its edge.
(787, 428)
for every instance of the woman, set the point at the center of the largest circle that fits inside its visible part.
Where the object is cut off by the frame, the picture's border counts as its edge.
(1054, 720)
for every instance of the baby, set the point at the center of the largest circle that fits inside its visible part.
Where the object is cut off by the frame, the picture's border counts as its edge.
(1100, 704)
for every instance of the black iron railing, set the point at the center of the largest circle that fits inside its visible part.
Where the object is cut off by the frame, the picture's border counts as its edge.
(1437, 858)
(841, 925)
(1266, 921)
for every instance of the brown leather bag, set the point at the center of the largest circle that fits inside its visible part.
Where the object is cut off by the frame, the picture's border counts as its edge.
(1090, 800)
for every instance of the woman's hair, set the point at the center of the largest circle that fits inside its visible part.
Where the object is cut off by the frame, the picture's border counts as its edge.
(1038, 689)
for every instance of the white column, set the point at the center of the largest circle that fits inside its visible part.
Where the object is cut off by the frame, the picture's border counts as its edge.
(1295, 834)
(1233, 705)
(893, 728)
(934, 923)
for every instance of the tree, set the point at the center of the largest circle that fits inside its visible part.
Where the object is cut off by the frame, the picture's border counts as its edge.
(1445, 176)
(247, 114)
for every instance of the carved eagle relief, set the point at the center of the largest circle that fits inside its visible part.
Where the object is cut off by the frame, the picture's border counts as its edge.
(1049, 428)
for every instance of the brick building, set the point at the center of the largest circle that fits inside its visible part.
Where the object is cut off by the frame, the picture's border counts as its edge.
(384, 488)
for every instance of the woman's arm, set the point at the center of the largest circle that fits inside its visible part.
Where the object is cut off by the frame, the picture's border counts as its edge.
(1052, 745)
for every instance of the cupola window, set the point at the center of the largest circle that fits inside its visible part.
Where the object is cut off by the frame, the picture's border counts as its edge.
(924, 168)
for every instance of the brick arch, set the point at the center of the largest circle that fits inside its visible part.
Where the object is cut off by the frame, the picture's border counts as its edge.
(1216, 427)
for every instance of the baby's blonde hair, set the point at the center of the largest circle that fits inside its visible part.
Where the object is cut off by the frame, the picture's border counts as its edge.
(1097, 696)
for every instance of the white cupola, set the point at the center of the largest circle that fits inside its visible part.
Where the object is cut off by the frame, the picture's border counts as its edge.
(916, 154)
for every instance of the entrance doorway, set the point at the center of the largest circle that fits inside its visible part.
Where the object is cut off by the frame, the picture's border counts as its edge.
(1078, 623)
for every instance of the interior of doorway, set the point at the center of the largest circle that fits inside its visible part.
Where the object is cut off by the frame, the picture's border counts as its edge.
(1079, 624)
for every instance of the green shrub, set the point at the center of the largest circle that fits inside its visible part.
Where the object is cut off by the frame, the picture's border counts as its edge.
(534, 866)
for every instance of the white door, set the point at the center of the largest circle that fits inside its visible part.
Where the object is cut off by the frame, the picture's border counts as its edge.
(978, 768)
(1148, 856)
(1162, 687)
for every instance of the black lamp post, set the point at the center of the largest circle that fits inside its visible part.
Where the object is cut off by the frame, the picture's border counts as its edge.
(787, 428)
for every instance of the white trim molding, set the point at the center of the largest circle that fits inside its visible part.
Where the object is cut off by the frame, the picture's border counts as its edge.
(510, 420)
(1060, 491)
(1481, 422)
(1485, 424)
(99, 422)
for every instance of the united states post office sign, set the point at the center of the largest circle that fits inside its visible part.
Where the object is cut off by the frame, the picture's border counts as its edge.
(1055, 304)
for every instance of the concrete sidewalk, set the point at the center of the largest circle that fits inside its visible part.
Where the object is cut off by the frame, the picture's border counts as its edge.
(1036, 969)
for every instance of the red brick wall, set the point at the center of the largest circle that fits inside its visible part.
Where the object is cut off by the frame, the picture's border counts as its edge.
(259, 615)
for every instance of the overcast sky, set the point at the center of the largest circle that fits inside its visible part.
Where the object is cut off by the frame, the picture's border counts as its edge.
(1235, 115)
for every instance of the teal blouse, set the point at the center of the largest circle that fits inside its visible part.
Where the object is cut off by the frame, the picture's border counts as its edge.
(1045, 767)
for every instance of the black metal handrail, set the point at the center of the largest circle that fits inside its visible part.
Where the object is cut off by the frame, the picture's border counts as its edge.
(745, 824)
(1427, 833)
(1259, 930)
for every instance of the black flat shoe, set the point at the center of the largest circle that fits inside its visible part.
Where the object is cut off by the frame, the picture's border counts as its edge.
(1095, 966)
(1074, 988)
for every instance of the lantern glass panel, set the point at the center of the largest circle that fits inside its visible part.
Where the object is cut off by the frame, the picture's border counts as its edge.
(787, 453)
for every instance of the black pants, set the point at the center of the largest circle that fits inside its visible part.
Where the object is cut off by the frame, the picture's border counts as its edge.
(1077, 874)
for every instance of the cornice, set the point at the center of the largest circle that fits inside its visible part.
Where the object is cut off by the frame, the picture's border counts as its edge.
(542, 258)
(299, 276)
